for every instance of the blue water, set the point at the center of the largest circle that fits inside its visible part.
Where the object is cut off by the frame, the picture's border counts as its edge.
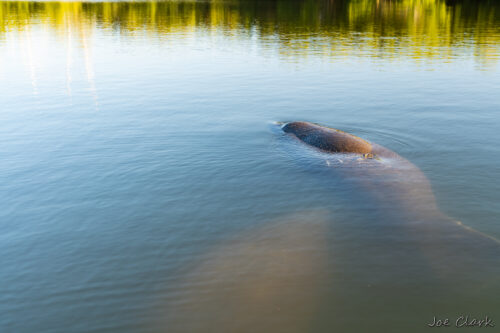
(137, 158)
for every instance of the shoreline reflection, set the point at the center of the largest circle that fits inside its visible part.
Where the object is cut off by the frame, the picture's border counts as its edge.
(410, 29)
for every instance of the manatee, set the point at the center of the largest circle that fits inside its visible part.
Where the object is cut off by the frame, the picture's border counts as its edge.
(265, 279)
(402, 197)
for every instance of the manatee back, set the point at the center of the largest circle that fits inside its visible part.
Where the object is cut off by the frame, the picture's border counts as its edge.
(327, 139)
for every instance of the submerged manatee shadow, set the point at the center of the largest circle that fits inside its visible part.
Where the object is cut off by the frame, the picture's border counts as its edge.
(264, 278)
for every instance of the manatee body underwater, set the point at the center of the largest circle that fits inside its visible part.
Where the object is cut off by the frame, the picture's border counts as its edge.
(408, 206)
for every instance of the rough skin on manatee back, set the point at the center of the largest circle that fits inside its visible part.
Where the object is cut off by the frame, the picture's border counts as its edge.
(328, 139)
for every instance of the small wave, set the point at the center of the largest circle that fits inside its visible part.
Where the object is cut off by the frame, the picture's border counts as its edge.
(387, 137)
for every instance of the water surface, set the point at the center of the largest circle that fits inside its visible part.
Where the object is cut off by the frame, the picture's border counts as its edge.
(145, 186)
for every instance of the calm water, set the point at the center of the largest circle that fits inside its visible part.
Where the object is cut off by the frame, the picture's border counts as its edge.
(145, 186)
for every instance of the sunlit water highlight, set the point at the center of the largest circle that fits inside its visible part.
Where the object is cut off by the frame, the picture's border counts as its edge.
(146, 187)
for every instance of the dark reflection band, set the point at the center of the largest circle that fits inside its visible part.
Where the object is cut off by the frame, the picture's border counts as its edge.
(422, 29)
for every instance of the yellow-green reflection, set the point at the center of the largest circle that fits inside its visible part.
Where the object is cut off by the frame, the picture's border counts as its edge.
(420, 29)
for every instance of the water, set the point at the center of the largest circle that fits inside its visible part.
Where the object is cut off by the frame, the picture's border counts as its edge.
(146, 188)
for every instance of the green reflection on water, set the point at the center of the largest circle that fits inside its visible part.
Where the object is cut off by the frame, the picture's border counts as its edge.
(419, 29)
